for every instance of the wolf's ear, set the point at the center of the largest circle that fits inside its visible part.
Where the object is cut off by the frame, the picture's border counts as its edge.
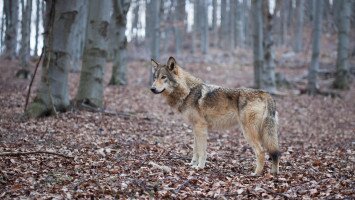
(155, 64)
(171, 63)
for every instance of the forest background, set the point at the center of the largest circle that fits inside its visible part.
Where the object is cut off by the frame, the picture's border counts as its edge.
(78, 120)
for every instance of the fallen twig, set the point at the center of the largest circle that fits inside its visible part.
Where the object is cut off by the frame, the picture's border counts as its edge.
(33, 77)
(34, 152)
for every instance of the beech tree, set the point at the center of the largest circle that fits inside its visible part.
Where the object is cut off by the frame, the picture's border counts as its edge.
(342, 64)
(52, 95)
(258, 51)
(312, 86)
(298, 42)
(95, 54)
(11, 16)
(25, 49)
(119, 68)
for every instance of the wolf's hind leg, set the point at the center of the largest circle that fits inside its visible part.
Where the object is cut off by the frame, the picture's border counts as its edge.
(270, 142)
(200, 131)
(253, 139)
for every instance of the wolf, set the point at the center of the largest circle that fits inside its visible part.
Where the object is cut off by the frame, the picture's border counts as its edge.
(208, 107)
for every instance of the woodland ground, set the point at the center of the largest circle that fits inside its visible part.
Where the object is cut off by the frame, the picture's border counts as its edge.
(142, 150)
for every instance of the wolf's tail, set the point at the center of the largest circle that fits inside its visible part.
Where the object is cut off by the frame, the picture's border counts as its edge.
(269, 133)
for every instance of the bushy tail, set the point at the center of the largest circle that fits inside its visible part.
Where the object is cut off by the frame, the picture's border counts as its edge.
(269, 134)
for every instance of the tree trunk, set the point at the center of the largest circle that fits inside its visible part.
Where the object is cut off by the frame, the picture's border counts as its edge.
(180, 25)
(239, 39)
(342, 76)
(195, 28)
(95, 54)
(283, 16)
(38, 9)
(298, 45)
(232, 24)
(204, 27)
(78, 38)
(258, 41)
(214, 23)
(11, 13)
(119, 67)
(52, 94)
(2, 28)
(155, 33)
(317, 30)
(224, 35)
(268, 72)
(25, 49)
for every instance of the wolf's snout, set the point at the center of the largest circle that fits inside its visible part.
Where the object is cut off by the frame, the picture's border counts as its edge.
(153, 89)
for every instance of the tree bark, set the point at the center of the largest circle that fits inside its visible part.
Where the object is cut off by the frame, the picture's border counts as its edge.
(11, 13)
(52, 95)
(119, 67)
(78, 38)
(258, 41)
(38, 9)
(179, 25)
(95, 54)
(25, 50)
(268, 72)
(342, 77)
(204, 27)
(298, 42)
(317, 31)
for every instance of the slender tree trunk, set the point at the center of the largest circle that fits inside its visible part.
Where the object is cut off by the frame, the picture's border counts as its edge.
(214, 23)
(298, 45)
(317, 31)
(155, 33)
(268, 72)
(11, 13)
(204, 28)
(38, 8)
(195, 27)
(232, 24)
(52, 94)
(283, 14)
(239, 39)
(119, 67)
(224, 35)
(25, 49)
(180, 25)
(3, 18)
(342, 76)
(258, 41)
(95, 54)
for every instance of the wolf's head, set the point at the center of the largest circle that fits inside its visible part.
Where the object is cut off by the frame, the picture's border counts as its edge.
(165, 76)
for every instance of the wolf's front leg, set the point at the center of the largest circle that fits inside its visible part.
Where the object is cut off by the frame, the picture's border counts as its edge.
(200, 132)
(194, 161)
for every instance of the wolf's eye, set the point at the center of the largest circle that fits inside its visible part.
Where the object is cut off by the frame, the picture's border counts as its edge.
(163, 77)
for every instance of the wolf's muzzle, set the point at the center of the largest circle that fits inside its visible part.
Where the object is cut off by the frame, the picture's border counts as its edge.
(155, 91)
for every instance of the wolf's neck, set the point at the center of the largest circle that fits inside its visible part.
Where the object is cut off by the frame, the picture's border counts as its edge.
(185, 84)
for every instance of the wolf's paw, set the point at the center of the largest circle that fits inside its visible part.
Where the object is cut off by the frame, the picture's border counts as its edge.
(193, 163)
(197, 167)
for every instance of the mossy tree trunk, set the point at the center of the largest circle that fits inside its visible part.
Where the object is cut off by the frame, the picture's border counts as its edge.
(52, 95)
(95, 54)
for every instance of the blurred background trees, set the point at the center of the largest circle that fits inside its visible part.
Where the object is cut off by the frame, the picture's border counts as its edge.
(145, 29)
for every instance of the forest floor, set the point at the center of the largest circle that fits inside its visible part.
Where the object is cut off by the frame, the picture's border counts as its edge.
(139, 148)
